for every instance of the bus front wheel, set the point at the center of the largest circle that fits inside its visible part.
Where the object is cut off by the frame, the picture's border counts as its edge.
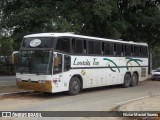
(74, 86)
(127, 80)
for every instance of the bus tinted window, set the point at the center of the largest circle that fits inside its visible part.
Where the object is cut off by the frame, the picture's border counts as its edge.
(146, 55)
(115, 49)
(91, 47)
(77, 46)
(108, 48)
(38, 42)
(123, 49)
(144, 51)
(128, 50)
(137, 50)
(119, 49)
(98, 47)
(132, 50)
(84, 46)
(63, 44)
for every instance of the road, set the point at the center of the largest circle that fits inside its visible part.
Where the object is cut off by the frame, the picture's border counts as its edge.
(99, 99)
(7, 80)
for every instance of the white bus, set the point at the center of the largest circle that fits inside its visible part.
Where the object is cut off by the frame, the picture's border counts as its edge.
(56, 62)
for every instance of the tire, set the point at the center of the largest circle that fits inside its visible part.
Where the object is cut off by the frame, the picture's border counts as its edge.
(74, 86)
(127, 81)
(134, 80)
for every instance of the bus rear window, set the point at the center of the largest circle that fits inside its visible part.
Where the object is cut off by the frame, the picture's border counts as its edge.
(38, 42)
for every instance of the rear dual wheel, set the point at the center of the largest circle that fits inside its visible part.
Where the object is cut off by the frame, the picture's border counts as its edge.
(130, 80)
(134, 80)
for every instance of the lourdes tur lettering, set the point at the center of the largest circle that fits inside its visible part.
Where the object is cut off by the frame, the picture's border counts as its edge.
(86, 63)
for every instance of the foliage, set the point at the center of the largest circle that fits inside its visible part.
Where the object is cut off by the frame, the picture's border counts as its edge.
(6, 47)
(132, 20)
(143, 17)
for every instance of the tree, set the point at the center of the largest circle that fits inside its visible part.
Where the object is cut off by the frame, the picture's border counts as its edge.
(143, 18)
(6, 47)
(117, 19)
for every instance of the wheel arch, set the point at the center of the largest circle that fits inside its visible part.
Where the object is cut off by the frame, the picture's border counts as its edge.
(128, 72)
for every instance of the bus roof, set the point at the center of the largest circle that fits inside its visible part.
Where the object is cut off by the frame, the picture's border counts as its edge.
(81, 36)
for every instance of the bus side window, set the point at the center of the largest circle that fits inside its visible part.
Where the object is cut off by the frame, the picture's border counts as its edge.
(137, 51)
(115, 47)
(108, 48)
(77, 46)
(91, 47)
(84, 46)
(146, 52)
(143, 51)
(119, 49)
(128, 50)
(73, 45)
(132, 50)
(63, 44)
(140, 51)
(123, 50)
(102, 48)
(97, 48)
(67, 63)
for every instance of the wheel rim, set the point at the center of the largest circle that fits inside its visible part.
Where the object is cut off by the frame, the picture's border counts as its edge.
(127, 79)
(134, 79)
(75, 86)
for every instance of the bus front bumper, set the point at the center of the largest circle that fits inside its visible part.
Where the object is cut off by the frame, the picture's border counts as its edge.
(43, 87)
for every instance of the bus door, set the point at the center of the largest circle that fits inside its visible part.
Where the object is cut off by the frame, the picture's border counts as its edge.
(60, 71)
(57, 72)
(66, 71)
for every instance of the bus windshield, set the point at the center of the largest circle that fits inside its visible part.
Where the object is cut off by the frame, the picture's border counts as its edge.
(34, 62)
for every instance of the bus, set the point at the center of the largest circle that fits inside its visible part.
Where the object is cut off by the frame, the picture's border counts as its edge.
(57, 62)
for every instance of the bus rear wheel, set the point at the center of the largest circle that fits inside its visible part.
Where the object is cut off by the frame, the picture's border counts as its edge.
(127, 80)
(74, 86)
(134, 80)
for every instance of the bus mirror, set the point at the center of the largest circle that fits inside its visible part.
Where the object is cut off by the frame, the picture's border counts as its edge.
(13, 57)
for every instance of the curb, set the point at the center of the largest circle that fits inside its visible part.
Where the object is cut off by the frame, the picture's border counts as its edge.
(140, 98)
(118, 108)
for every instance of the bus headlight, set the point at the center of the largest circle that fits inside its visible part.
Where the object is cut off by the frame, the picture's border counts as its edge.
(41, 81)
(18, 79)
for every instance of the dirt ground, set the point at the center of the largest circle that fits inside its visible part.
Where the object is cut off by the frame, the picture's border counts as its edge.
(150, 103)
(9, 89)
